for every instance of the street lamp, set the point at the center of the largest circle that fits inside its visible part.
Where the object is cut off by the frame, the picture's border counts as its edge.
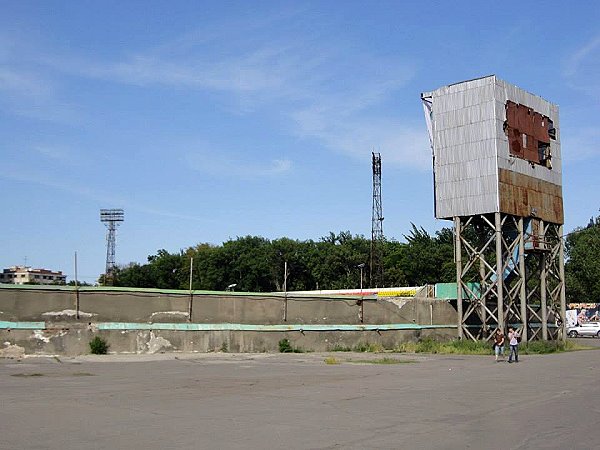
(361, 267)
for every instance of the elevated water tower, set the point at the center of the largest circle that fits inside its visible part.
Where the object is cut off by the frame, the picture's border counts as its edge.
(498, 176)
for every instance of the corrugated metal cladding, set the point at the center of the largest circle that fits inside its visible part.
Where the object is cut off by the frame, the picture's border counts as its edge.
(474, 170)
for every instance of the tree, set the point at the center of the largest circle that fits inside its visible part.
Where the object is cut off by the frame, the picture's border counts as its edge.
(427, 259)
(167, 270)
(335, 258)
(248, 263)
(582, 267)
(134, 275)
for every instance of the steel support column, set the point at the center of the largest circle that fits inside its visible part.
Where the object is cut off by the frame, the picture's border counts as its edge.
(499, 270)
(458, 261)
(563, 302)
(523, 287)
(509, 272)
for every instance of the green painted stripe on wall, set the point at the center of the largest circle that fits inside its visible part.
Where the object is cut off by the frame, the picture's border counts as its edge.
(22, 325)
(230, 326)
(251, 327)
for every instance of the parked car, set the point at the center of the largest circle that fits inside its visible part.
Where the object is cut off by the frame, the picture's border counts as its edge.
(585, 329)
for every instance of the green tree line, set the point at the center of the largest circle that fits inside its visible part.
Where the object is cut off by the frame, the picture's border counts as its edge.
(256, 264)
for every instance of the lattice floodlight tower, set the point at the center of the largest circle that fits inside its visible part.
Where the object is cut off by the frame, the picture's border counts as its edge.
(377, 239)
(498, 176)
(112, 218)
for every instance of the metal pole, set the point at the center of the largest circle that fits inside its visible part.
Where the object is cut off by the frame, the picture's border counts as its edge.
(191, 272)
(76, 290)
(458, 260)
(561, 271)
(499, 271)
(523, 291)
(191, 301)
(362, 303)
(484, 316)
(361, 279)
(543, 299)
(285, 300)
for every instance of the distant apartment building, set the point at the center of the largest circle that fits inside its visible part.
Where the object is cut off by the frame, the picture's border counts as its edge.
(27, 275)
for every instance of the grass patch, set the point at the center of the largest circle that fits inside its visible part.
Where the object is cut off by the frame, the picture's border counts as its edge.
(366, 347)
(384, 360)
(572, 346)
(331, 360)
(455, 347)
(545, 347)
(341, 348)
(469, 347)
(451, 347)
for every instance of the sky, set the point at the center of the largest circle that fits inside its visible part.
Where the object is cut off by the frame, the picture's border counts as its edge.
(206, 121)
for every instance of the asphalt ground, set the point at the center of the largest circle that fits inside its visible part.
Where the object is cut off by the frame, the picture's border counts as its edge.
(298, 401)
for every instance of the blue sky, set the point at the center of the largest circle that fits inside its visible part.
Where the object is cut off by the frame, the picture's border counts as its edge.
(211, 120)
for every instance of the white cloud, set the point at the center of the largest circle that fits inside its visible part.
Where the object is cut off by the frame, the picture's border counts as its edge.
(26, 87)
(23, 83)
(357, 135)
(28, 94)
(329, 91)
(582, 68)
(580, 144)
(28, 175)
(57, 153)
(579, 56)
(211, 162)
(330, 95)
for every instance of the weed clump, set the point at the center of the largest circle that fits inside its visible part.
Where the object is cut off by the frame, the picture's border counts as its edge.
(98, 346)
(286, 347)
(366, 347)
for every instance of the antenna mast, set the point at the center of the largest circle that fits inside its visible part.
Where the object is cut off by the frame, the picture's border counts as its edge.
(377, 239)
(112, 218)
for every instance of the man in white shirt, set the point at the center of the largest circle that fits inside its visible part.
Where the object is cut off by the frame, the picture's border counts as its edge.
(513, 340)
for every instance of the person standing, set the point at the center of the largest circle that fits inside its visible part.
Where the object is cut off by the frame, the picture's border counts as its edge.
(499, 344)
(513, 340)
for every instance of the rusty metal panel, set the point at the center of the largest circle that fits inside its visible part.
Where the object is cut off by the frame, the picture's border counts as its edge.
(526, 196)
(528, 133)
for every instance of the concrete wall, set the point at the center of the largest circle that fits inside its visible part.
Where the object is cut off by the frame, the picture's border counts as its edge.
(75, 341)
(258, 322)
